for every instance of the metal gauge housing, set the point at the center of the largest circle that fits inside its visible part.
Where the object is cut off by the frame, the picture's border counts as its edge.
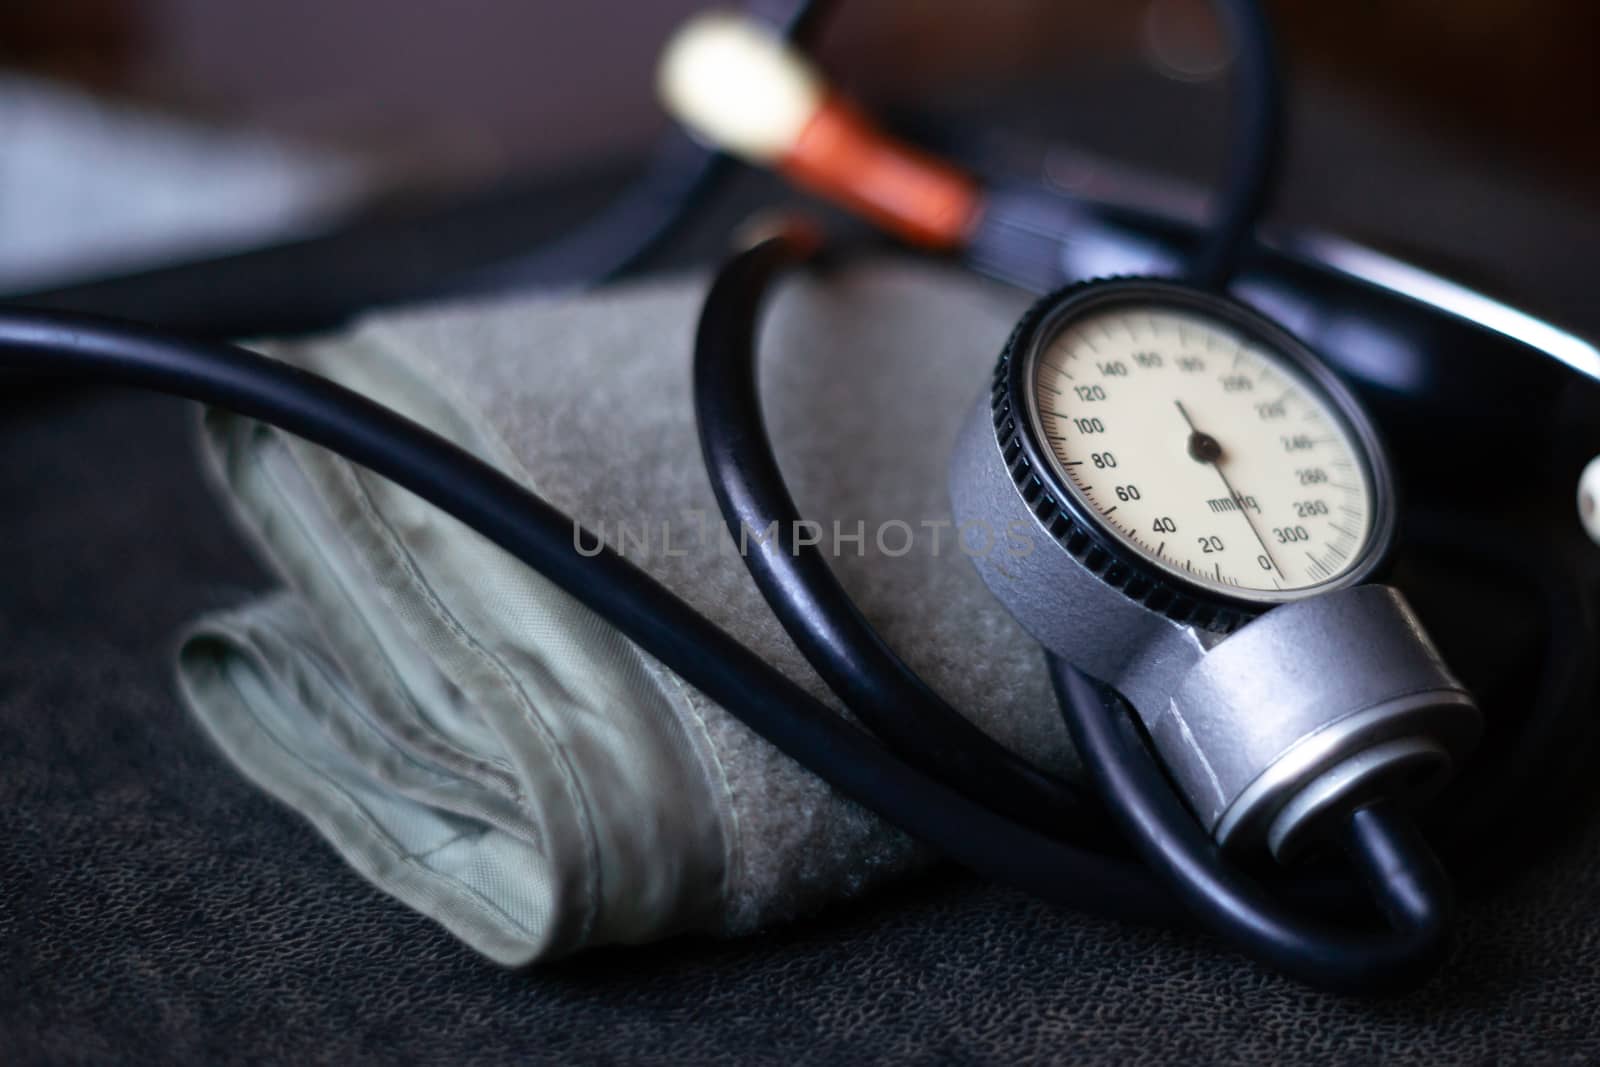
(1193, 511)
(1191, 451)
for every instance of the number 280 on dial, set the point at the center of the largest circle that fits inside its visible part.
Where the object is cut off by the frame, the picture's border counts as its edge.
(1205, 451)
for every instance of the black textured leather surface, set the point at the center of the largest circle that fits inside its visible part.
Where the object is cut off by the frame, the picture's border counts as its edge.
(154, 907)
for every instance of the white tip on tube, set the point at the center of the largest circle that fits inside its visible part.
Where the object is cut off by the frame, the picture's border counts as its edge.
(738, 86)
(1589, 499)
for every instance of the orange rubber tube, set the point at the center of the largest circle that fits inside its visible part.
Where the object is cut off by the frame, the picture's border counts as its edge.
(841, 156)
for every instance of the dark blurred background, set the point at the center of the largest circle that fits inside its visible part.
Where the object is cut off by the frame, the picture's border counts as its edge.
(136, 130)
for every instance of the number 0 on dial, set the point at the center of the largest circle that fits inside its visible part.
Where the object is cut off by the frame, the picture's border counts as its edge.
(1206, 440)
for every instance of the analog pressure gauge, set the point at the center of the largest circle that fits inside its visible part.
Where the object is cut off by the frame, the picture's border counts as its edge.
(1196, 448)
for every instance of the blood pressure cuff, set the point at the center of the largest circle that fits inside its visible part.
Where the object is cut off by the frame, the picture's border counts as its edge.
(483, 747)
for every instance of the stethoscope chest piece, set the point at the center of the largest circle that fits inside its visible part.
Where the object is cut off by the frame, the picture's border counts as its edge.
(1179, 499)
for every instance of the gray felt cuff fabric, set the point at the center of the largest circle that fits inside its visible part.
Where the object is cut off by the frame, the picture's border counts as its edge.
(480, 745)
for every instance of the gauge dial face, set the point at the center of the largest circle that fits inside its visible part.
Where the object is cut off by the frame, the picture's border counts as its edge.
(1203, 449)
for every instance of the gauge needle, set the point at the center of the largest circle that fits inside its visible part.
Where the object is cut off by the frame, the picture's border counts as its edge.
(1208, 450)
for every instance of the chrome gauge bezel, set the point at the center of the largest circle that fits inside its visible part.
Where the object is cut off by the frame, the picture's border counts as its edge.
(1078, 526)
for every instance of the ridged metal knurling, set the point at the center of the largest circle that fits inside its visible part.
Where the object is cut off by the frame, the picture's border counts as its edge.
(1105, 558)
